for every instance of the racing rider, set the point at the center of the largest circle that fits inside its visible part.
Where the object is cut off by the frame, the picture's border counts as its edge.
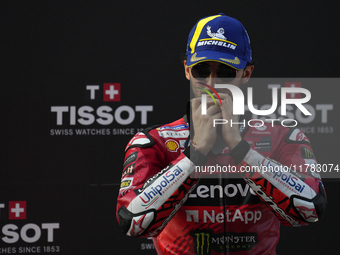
(164, 190)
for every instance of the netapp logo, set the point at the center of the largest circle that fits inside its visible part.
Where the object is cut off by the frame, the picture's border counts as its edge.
(245, 216)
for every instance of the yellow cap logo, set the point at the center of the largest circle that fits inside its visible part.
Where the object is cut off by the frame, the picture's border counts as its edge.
(194, 58)
(235, 61)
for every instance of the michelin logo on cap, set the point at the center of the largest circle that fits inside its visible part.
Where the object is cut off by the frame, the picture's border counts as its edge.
(219, 38)
(218, 34)
(216, 39)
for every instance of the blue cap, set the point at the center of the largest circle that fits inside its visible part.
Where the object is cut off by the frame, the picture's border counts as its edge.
(219, 38)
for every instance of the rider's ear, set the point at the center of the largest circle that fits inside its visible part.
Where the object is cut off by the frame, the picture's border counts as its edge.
(247, 71)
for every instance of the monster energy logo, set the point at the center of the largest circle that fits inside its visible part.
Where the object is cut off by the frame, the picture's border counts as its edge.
(202, 242)
(206, 241)
(306, 153)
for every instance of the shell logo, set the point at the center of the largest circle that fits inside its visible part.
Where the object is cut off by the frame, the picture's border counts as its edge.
(172, 145)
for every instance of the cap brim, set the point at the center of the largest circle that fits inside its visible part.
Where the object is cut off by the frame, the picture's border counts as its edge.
(224, 58)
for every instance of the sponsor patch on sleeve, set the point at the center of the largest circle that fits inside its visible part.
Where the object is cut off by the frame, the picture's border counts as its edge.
(172, 145)
(174, 134)
(129, 170)
(178, 127)
(131, 158)
(126, 183)
(307, 153)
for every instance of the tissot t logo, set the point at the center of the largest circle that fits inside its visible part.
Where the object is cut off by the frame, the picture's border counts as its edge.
(111, 92)
(17, 210)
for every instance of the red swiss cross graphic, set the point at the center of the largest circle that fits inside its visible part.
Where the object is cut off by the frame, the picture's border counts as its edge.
(293, 85)
(17, 210)
(111, 92)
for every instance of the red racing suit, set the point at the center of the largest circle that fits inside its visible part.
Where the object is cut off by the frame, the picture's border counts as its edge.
(165, 194)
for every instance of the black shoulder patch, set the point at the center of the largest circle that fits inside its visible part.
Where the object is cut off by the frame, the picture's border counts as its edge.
(142, 139)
